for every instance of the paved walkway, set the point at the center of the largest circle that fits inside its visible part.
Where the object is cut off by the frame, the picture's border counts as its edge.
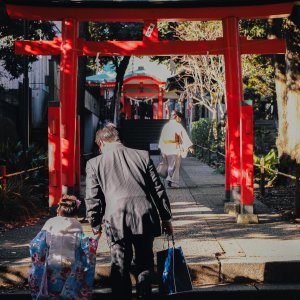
(217, 249)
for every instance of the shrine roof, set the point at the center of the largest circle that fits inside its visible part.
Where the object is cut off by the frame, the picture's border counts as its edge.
(143, 3)
(109, 75)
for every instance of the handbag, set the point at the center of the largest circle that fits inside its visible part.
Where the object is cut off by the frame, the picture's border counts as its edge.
(172, 269)
(162, 167)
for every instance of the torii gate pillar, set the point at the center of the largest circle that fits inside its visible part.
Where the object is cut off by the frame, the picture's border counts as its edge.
(234, 95)
(68, 100)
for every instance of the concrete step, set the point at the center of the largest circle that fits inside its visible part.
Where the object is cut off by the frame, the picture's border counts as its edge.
(209, 292)
(225, 272)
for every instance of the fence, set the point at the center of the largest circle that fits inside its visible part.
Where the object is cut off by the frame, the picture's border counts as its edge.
(4, 176)
(218, 153)
(261, 166)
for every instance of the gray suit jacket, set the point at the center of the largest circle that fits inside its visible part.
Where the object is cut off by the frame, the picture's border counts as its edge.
(124, 192)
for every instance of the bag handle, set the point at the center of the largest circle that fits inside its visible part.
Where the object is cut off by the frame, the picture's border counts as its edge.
(168, 237)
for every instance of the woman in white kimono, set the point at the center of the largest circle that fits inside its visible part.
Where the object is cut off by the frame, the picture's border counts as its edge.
(63, 259)
(174, 144)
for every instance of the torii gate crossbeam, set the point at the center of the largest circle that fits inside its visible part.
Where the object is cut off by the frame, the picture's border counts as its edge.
(231, 45)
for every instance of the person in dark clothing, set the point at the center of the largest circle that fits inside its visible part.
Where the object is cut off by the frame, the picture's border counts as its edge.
(124, 194)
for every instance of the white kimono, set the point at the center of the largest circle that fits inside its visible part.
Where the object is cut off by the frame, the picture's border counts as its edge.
(172, 150)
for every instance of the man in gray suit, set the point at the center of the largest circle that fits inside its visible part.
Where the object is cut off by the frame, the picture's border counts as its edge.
(125, 194)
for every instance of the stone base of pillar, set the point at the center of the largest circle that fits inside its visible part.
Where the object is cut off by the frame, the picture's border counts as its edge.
(247, 219)
(247, 216)
(232, 208)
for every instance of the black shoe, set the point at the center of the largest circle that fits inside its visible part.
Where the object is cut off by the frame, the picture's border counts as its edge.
(169, 183)
(143, 287)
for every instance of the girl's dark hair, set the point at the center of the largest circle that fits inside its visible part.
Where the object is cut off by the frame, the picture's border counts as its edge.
(68, 206)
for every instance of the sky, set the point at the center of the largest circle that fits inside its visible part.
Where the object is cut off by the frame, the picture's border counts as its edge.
(158, 70)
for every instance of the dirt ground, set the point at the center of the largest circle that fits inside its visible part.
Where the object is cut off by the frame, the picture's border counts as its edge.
(281, 199)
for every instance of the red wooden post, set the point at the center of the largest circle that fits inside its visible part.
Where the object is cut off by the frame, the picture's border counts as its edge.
(68, 97)
(234, 94)
(247, 196)
(54, 154)
(3, 173)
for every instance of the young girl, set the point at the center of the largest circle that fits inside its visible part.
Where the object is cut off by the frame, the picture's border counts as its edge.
(63, 259)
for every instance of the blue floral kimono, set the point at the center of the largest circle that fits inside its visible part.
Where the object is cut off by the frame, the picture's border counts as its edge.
(66, 280)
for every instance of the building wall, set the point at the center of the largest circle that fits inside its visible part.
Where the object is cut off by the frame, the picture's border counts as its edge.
(40, 90)
(90, 127)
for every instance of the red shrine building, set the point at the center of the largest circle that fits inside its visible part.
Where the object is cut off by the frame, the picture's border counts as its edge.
(63, 119)
(143, 95)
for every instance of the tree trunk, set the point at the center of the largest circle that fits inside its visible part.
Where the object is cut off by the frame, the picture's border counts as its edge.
(120, 70)
(297, 194)
(81, 77)
(293, 95)
(275, 31)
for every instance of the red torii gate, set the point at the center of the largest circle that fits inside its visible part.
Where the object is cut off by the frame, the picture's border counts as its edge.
(63, 131)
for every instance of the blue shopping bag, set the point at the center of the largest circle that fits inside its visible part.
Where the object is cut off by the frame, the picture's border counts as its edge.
(172, 269)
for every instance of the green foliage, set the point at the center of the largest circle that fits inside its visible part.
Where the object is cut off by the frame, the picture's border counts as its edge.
(12, 30)
(24, 194)
(202, 135)
(16, 159)
(8, 130)
(20, 200)
(120, 31)
(258, 70)
(200, 132)
(258, 80)
(271, 161)
(220, 169)
(167, 30)
(254, 28)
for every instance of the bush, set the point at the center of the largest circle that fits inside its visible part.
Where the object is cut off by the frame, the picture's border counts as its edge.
(8, 130)
(25, 194)
(271, 162)
(200, 132)
(20, 200)
(16, 159)
(202, 135)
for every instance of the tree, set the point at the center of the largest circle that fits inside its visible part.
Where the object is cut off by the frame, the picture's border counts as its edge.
(258, 72)
(201, 77)
(288, 95)
(292, 147)
(12, 30)
(115, 31)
